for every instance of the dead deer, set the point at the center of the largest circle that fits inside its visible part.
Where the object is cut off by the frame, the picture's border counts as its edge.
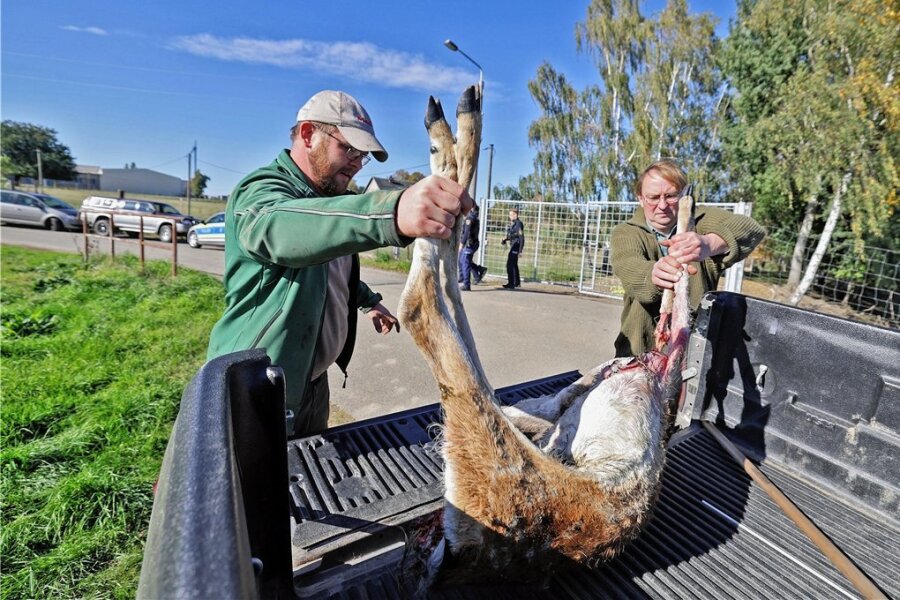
(564, 479)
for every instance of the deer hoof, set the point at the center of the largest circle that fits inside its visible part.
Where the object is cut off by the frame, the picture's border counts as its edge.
(470, 101)
(433, 113)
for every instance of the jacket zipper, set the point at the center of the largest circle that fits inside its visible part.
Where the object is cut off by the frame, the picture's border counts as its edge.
(265, 329)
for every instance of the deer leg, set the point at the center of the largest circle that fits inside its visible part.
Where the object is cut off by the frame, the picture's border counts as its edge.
(448, 347)
(480, 444)
(665, 328)
(681, 311)
(536, 416)
(465, 149)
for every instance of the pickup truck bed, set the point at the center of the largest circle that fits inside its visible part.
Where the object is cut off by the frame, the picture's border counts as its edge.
(714, 534)
(821, 420)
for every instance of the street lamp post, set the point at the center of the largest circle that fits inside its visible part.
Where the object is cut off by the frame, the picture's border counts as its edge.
(473, 187)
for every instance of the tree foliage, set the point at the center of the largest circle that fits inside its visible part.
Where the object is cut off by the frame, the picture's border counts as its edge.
(659, 95)
(814, 134)
(198, 183)
(20, 142)
(404, 176)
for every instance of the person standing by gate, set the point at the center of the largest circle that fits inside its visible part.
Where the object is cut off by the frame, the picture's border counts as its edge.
(515, 235)
(468, 242)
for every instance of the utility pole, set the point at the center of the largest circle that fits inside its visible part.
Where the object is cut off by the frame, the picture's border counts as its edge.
(40, 177)
(482, 235)
(188, 190)
(191, 174)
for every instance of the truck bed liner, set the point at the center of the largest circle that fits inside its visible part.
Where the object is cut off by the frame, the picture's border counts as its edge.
(714, 534)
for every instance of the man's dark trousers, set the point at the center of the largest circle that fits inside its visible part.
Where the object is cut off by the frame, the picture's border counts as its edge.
(465, 266)
(512, 269)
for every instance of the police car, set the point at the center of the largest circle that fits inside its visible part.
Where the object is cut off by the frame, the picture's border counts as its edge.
(209, 233)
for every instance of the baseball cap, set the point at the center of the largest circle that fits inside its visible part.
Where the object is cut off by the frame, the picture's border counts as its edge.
(351, 119)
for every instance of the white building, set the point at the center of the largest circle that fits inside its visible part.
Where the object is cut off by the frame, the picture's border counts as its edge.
(141, 181)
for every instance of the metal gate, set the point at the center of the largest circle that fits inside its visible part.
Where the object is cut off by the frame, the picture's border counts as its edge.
(568, 243)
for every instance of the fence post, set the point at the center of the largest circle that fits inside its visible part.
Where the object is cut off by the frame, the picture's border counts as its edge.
(174, 249)
(584, 245)
(112, 238)
(141, 241)
(537, 241)
(84, 231)
(482, 232)
(734, 275)
(596, 244)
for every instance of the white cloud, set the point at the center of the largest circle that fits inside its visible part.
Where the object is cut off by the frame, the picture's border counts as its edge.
(356, 60)
(92, 30)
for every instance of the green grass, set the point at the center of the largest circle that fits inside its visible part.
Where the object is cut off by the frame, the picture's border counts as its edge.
(384, 260)
(93, 361)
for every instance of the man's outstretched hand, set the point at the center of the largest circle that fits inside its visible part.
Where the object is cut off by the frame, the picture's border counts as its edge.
(382, 319)
(430, 207)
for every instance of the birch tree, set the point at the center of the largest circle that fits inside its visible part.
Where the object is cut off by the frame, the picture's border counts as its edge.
(658, 94)
(815, 135)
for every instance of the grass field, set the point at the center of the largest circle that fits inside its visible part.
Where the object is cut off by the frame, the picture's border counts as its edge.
(94, 360)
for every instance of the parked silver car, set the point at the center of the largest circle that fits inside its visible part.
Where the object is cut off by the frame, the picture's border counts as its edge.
(127, 214)
(42, 210)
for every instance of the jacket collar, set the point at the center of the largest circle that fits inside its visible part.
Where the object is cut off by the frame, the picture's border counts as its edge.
(287, 163)
(639, 219)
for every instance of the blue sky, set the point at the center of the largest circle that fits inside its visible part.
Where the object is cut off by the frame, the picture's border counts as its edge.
(140, 82)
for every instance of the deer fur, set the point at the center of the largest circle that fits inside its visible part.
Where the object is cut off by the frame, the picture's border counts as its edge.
(565, 479)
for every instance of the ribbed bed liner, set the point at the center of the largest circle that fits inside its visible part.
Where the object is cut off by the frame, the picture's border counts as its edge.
(714, 534)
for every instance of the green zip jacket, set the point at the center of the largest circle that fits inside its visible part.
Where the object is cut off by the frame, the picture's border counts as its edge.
(634, 250)
(279, 237)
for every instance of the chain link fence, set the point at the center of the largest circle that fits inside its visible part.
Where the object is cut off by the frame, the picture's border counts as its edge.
(862, 280)
(567, 243)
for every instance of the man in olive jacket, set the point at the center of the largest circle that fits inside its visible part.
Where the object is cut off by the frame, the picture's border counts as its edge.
(292, 236)
(647, 257)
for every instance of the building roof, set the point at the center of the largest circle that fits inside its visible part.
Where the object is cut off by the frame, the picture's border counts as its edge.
(381, 183)
(88, 170)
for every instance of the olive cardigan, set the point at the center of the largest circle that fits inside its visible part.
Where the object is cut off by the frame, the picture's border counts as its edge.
(634, 249)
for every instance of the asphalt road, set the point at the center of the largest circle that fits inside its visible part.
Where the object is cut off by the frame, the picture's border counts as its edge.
(521, 335)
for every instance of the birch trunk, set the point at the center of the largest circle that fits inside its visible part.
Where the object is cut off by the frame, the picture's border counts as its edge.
(816, 259)
(803, 237)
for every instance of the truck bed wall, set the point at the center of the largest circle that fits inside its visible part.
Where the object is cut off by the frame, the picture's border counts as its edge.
(827, 404)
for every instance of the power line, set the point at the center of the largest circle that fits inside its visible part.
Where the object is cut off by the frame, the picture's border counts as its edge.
(168, 162)
(223, 168)
(391, 172)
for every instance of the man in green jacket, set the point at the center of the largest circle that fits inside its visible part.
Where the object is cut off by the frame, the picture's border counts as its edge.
(647, 257)
(292, 236)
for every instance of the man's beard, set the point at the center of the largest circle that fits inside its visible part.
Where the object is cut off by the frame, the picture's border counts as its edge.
(324, 172)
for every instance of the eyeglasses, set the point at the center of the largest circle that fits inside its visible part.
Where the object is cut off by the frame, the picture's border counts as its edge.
(351, 152)
(670, 198)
